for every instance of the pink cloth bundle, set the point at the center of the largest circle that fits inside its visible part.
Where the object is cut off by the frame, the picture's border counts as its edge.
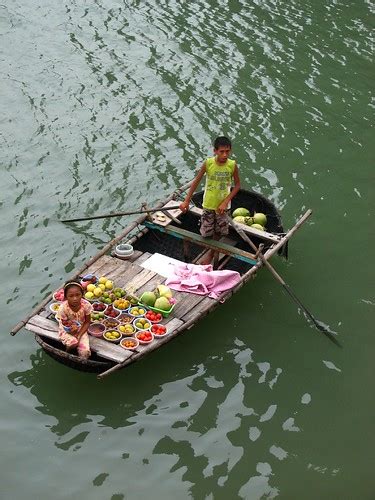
(202, 279)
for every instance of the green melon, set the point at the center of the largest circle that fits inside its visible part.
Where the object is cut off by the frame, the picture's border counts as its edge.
(148, 298)
(244, 212)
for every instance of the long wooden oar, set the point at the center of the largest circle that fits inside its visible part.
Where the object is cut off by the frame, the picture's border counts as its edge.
(119, 214)
(286, 287)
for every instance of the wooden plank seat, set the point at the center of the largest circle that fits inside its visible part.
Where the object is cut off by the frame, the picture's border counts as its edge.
(204, 242)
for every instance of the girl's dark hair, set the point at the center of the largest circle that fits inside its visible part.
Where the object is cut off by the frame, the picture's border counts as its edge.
(69, 284)
(222, 141)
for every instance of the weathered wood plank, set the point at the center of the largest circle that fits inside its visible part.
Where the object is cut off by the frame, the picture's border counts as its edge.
(205, 242)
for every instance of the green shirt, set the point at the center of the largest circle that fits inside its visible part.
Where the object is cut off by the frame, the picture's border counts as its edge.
(218, 182)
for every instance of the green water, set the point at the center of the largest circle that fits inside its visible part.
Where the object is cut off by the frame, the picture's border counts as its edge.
(109, 104)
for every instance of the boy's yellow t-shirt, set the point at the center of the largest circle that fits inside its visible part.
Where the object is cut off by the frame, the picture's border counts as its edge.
(218, 182)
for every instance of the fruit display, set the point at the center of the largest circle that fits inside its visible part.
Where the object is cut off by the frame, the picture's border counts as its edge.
(54, 307)
(110, 323)
(71, 326)
(257, 221)
(124, 318)
(121, 304)
(99, 306)
(159, 300)
(137, 311)
(111, 312)
(129, 343)
(126, 330)
(144, 337)
(59, 295)
(153, 317)
(88, 279)
(142, 323)
(112, 335)
(159, 330)
(97, 316)
(244, 212)
(257, 226)
(148, 298)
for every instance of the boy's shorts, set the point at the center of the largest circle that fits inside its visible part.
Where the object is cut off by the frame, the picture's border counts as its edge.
(214, 223)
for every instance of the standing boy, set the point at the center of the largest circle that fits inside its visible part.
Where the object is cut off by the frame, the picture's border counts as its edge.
(221, 173)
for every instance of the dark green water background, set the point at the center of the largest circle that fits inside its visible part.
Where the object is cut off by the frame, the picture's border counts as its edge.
(108, 104)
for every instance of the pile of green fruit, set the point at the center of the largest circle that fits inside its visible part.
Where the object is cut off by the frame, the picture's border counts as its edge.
(257, 221)
(160, 298)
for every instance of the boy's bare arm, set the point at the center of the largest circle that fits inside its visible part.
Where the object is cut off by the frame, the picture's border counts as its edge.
(184, 206)
(237, 186)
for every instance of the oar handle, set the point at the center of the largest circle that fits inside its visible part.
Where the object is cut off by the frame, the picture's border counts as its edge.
(120, 214)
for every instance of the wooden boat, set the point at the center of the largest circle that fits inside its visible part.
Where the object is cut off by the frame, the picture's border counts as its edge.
(177, 237)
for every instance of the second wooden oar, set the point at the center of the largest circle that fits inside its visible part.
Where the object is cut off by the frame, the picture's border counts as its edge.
(120, 214)
(286, 287)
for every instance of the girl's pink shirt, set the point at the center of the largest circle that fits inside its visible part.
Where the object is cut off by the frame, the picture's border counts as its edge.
(65, 313)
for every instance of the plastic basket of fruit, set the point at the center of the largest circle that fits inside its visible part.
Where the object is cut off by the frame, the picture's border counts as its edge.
(71, 326)
(144, 337)
(121, 305)
(129, 344)
(110, 323)
(154, 317)
(137, 311)
(111, 312)
(54, 307)
(113, 336)
(59, 295)
(126, 330)
(159, 330)
(125, 318)
(165, 314)
(99, 306)
(142, 324)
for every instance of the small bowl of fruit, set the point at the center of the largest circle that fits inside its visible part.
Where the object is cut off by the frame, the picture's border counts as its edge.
(137, 311)
(113, 336)
(129, 344)
(96, 329)
(99, 306)
(97, 316)
(111, 312)
(141, 323)
(121, 304)
(59, 295)
(125, 318)
(71, 326)
(145, 337)
(154, 317)
(159, 330)
(126, 330)
(110, 323)
(54, 307)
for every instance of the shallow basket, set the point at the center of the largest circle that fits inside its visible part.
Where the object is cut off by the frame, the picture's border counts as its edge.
(96, 326)
(165, 314)
(158, 336)
(112, 341)
(143, 342)
(138, 315)
(127, 339)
